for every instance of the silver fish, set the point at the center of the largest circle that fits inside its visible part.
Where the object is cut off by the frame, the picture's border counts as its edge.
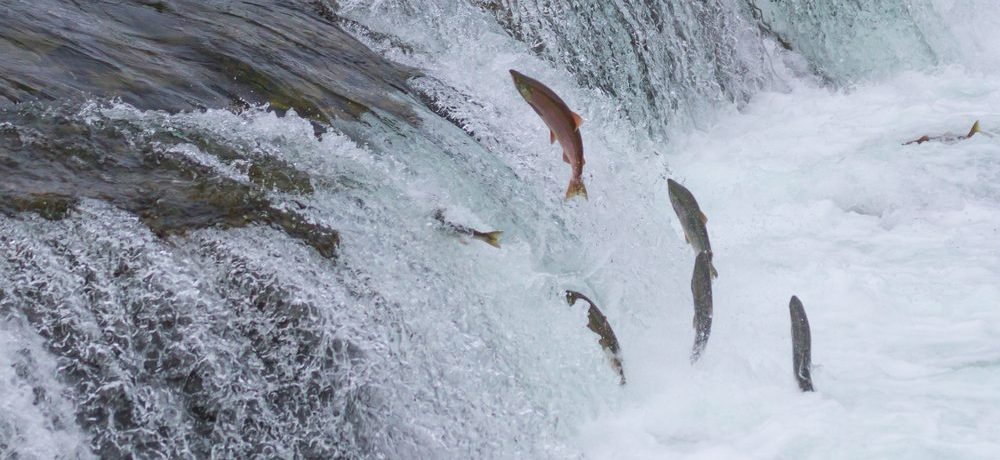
(490, 238)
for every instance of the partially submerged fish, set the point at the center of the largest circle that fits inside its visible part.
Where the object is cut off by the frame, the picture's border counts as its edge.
(946, 137)
(598, 323)
(692, 220)
(490, 238)
(563, 123)
(701, 290)
(801, 344)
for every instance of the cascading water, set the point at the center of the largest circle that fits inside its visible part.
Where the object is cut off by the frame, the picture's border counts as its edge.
(672, 59)
(217, 231)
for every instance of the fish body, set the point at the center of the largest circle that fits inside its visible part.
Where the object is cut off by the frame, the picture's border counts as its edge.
(801, 344)
(693, 221)
(490, 238)
(946, 137)
(701, 291)
(563, 123)
(598, 323)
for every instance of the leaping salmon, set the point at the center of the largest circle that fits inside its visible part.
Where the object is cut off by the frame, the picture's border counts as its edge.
(693, 221)
(490, 238)
(801, 344)
(946, 137)
(598, 323)
(563, 123)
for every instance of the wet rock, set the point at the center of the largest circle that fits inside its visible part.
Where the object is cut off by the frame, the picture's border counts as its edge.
(192, 54)
(275, 174)
(51, 206)
(53, 159)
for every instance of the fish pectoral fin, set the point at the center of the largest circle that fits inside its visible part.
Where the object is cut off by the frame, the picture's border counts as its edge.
(686, 239)
(577, 120)
(565, 158)
(552, 137)
(704, 218)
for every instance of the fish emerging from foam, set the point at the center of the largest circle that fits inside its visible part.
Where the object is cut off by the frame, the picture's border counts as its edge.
(598, 323)
(563, 123)
(490, 238)
(946, 137)
(693, 221)
(801, 344)
(701, 291)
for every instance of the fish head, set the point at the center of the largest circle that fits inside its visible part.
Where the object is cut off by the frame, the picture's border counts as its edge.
(522, 84)
(676, 195)
(673, 186)
(680, 197)
(571, 297)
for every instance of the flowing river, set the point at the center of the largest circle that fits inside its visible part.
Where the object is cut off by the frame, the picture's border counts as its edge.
(217, 231)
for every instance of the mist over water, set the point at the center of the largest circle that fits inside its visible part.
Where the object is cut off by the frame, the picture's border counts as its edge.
(169, 287)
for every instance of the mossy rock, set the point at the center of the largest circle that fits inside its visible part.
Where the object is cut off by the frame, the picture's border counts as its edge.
(50, 206)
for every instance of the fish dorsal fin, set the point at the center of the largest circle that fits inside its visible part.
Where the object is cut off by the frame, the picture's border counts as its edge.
(704, 218)
(577, 120)
(974, 130)
(552, 137)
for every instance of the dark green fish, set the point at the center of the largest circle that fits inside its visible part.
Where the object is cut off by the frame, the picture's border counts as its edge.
(490, 238)
(701, 290)
(692, 220)
(598, 323)
(801, 344)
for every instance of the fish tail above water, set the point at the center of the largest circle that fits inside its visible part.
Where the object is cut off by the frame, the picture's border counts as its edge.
(974, 130)
(616, 364)
(598, 324)
(576, 188)
(711, 265)
(801, 344)
(490, 238)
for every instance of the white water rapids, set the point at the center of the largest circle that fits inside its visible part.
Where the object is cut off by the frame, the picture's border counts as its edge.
(471, 352)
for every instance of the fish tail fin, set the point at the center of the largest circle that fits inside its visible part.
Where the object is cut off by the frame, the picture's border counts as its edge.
(616, 364)
(492, 238)
(715, 273)
(974, 130)
(575, 188)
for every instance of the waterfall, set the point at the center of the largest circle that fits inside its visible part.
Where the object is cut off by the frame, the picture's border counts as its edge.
(217, 232)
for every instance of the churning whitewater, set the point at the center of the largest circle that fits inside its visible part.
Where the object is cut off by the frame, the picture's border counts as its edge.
(273, 230)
